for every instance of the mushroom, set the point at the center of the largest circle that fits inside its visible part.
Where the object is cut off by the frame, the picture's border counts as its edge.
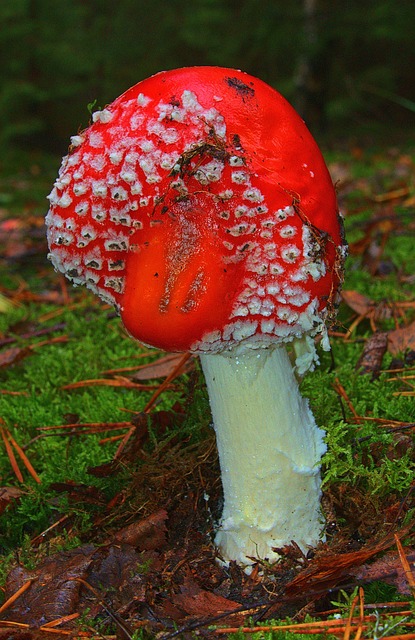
(199, 204)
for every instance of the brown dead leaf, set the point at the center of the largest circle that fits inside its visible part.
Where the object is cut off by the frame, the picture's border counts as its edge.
(199, 603)
(162, 367)
(147, 534)
(55, 592)
(205, 604)
(359, 303)
(387, 569)
(12, 355)
(371, 359)
(401, 339)
(8, 495)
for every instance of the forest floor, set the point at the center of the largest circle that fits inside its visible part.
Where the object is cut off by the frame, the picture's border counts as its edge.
(109, 479)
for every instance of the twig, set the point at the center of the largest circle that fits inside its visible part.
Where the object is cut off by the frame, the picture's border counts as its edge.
(405, 565)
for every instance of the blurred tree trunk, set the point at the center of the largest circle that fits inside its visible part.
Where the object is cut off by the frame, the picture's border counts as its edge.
(313, 72)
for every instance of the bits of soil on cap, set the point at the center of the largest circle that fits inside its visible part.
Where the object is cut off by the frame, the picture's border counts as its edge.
(243, 89)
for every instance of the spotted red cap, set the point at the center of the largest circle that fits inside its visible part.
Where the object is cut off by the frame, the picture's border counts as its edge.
(200, 205)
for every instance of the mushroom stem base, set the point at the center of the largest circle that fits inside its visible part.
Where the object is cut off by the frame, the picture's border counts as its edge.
(269, 449)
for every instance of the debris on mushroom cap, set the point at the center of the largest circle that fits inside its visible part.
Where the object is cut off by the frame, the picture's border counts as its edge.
(200, 206)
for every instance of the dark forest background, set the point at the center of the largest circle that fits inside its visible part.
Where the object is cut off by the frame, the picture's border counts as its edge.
(344, 64)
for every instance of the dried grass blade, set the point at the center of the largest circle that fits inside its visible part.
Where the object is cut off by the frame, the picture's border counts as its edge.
(24, 459)
(16, 595)
(11, 456)
(405, 565)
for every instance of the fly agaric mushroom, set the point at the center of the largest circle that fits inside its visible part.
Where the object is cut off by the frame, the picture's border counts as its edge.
(199, 205)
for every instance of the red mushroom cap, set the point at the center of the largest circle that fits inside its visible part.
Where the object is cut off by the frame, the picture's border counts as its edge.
(200, 205)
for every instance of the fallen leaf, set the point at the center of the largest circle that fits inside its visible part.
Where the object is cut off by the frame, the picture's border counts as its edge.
(13, 355)
(8, 495)
(357, 302)
(161, 368)
(402, 339)
(55, 591)
(387, 569)
(205, 604)
(371, 359)
(147, 534)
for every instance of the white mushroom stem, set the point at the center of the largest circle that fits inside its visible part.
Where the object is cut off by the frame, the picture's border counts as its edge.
(269, 450)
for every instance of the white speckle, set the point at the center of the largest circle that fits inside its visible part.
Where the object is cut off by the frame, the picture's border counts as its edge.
(170, 135)
(213, 336)
(77, 140)
(128, 176)
(115, 157)
(147, 165)
(253, 195)
(88, 233)
(146, 145)
(95, 139)
(210, 172)
(311, 174)
(132, 157)
(136, 188)
(80, 188)
(65, 200)
(82, 208)
(286, 315)
(53, 198)
(98, 163)
(273, 289)
(190, 101)
(116, 242)
(119, 193)
(240, 177)
(70, 161)
(91, 277)
(296, 296)
(225, 195)
(98, 213)
(93, 260)
(70, 224)
(288, 232)
(103, 116)
(168, 161)
(99, 189)
(254, 305)
(117, 265)
(240, 311)
(276, 269)
(142, 100)
(136, 121)
(241, 210)
(283, 214)
(238, 229)
(112, 282)
(120, 217)
(236, 161)
(243, 330)
(267, 326)
(290, 254)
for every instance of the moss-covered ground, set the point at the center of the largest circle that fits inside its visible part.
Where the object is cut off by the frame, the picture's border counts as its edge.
(60, 490)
